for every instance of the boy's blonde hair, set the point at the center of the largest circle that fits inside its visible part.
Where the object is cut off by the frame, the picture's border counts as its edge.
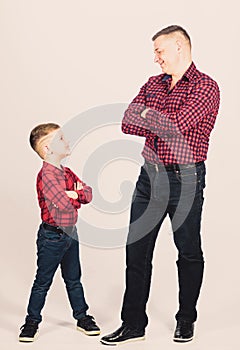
(38, 133)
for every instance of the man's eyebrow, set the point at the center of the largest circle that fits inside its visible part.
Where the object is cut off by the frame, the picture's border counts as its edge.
(157, 49)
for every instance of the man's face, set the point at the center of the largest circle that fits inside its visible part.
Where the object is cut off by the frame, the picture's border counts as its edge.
(166, 52)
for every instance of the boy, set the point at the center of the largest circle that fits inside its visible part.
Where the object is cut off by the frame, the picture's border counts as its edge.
(60, 194)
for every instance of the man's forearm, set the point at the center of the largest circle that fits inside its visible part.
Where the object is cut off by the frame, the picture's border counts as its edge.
(133, 123)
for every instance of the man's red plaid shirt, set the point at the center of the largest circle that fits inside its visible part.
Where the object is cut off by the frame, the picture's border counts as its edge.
(178, 122)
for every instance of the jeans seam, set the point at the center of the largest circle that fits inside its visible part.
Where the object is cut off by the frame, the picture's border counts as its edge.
(145, 269)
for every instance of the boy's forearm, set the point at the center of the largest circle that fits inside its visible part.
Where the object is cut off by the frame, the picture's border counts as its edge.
(82, 196)
(83, 190)
(55, 192)
(85, 194)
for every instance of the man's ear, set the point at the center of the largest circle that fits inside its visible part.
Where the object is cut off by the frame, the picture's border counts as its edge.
(179, 45)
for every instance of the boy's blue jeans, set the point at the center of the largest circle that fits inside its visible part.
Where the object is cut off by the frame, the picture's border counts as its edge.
(54, 249)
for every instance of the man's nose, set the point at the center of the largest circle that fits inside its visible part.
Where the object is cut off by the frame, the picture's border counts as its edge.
(156, 58)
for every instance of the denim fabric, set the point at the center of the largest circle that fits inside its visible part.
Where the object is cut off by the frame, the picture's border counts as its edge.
(54, 249)
(158, 193)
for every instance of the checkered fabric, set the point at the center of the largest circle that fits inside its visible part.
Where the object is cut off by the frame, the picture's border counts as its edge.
(57, 208)
(178, 122)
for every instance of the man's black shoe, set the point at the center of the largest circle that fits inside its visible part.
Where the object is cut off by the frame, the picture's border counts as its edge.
(28, 332)
(184, 331)
(88, 326)
(124, 334)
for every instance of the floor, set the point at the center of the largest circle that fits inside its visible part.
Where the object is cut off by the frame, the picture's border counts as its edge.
(218, 324)
(61, 335)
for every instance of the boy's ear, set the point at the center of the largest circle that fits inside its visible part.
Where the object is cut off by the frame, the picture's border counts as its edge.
(46, 150)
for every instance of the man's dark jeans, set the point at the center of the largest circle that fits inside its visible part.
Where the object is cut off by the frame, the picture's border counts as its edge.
(179, 194)
(56, 249)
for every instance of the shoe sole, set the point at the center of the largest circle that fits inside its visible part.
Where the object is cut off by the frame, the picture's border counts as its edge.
(28, 339)
(122, 342)
(177, 340)
(88, 332)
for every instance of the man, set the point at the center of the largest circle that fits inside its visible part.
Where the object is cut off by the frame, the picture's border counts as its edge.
(175, 112)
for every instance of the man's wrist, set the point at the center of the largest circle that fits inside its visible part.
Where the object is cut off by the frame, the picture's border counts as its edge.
(144, 112)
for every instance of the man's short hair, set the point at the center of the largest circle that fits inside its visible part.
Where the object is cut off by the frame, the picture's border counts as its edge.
(173, 29)
(39, 132)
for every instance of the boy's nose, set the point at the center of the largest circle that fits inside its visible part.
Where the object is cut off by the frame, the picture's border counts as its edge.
(66, 142)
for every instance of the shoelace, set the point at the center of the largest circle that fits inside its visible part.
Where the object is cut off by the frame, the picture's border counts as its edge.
(89, 320)
(29, 327)
(184, 325)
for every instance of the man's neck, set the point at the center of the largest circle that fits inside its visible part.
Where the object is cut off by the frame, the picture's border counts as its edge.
(176, 76)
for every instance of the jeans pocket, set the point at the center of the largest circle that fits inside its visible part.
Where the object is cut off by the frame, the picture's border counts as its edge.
(189, 177)
(192, 177)
(143, 185)
(51, 236)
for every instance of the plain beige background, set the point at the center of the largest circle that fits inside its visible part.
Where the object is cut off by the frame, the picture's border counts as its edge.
(60, 58)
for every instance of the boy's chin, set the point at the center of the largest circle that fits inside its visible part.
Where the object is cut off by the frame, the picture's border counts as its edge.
(68, 154)
(65, 156)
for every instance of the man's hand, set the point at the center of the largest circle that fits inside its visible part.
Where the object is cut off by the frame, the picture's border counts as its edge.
(143, 114)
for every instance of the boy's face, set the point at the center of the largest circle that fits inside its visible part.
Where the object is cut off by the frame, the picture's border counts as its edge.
(57, 144)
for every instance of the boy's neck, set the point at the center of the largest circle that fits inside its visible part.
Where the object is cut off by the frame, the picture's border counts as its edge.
(56, 163)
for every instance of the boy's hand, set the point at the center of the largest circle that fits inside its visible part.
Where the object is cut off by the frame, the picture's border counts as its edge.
(72, 194)
(78, 186)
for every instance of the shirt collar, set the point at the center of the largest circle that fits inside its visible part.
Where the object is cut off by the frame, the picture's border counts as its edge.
(166, 77)
(52, 168)
(189, 74)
